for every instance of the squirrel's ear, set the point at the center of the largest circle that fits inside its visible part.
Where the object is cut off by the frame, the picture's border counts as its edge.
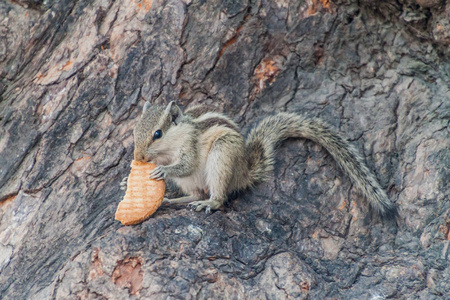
(146, 106)
(174, 112)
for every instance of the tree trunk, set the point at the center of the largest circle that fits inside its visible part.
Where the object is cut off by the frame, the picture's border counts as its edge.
(75, 75)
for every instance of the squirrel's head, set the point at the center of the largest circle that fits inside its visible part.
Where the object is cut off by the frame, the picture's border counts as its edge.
(155, 133)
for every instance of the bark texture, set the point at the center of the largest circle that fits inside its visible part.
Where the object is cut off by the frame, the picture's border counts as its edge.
(75, 74)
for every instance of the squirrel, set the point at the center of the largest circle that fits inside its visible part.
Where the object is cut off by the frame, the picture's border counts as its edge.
(208, 158)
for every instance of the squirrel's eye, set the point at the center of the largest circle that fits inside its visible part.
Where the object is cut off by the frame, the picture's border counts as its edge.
(157, 135)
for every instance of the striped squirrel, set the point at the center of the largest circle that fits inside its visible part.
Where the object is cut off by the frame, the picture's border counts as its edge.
(208, 158)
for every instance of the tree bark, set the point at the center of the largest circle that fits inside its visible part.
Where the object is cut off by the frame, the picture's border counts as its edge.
(74, 76)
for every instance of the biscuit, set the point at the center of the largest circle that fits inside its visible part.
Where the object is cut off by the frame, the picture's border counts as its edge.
(143, 195)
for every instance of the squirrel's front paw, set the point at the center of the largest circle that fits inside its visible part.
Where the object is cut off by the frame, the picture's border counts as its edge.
(158, 173)
(123, 183)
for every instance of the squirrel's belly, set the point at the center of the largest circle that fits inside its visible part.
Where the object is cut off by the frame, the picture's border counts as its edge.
(194, 184)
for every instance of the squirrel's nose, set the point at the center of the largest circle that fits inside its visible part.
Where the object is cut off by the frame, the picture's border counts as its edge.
(139, 156)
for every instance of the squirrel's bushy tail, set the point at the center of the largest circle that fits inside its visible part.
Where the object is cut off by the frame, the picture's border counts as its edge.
(263, 140)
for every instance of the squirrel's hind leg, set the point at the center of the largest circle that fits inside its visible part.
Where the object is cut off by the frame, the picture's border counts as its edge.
(219, 170)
